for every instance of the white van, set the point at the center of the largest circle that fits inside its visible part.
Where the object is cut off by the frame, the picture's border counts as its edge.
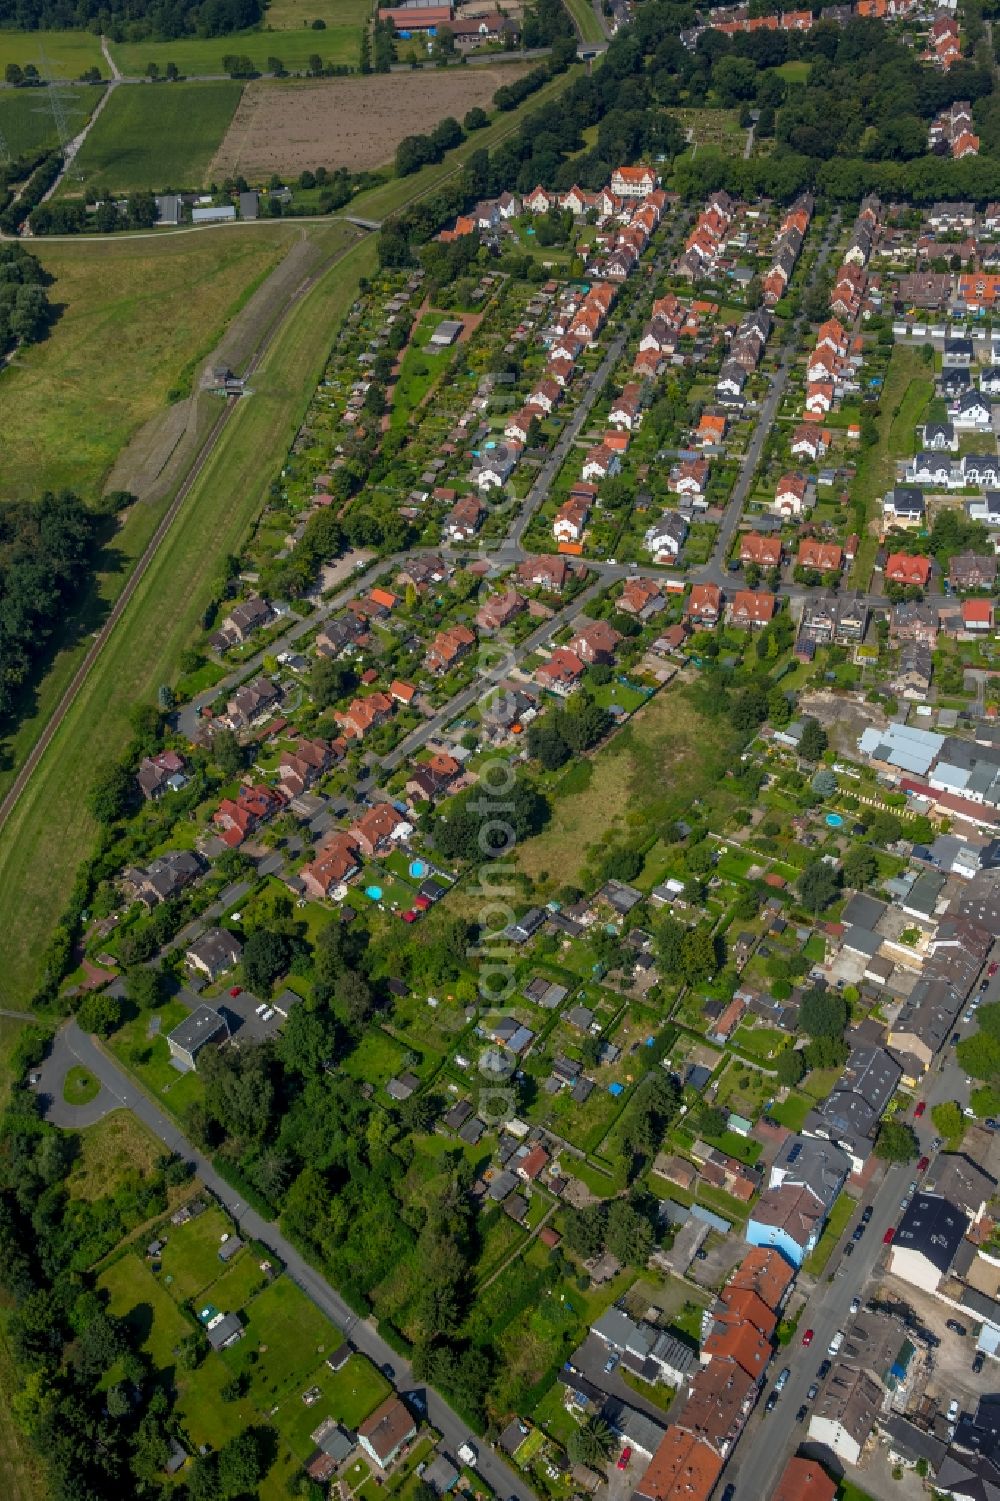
(835, 1343)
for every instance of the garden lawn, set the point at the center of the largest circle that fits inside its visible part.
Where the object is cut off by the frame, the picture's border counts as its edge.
(349, 1396)
(136, 1296)
(297, 1338)
(376, 1058)
(190, 1258)
(26, 118)
(50, 830)
(149, 1058)
(792, 1112)
(155, 138)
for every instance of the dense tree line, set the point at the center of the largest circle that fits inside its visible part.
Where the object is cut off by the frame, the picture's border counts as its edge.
(134, 20)
(25, 312)
(45, 551)
(31, 194)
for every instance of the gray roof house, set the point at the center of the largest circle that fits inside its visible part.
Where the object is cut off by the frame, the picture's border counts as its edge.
(214, 952)
(197, 1031)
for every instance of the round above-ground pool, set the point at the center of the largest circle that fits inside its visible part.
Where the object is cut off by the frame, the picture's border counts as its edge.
(374, 892)
(418, 868)
(834, 820)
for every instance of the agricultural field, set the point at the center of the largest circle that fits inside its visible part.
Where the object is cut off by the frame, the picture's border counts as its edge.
(56, 54)
(154, 138)
(345, 122)
(289, 36)
(50, 829)
(27, 121)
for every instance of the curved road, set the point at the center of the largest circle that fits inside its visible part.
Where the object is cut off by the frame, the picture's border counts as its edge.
(70, 1047)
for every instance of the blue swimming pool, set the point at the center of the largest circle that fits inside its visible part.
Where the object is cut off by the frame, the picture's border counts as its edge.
(834, 820)
(374, 892)
(418, 868)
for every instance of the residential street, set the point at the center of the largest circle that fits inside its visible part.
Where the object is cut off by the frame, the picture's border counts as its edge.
(714, 571)
(71, 1046)
(769, 1439)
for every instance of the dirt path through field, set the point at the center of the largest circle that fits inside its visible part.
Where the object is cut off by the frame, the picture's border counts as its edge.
(286, 127)
(152, 462)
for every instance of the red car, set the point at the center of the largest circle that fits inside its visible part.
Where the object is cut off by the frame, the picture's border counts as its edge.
(807, 1338)
(887, 1237)
(923, 1164)
(236, 990)
(624, 1458)
(920, 1109)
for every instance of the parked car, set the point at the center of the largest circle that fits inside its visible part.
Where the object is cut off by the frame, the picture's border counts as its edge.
(887, 1237)
(866, 1214)
(835, 1343)
(624, 1458)
(782, 1380)
(953, 1410)
(992, 969)
(923, 1164)
(824, 1370)
(849, 1248)
(921, 1107)
(807, 1338)
(813, 1392)
(991, 1124)
(858, 1231)
(855, 1304)
(772, 1402)
(802, 1414)
(954, 1038)
(236, 990)
(610, 1363)
(977, 1364)
(956, 1327)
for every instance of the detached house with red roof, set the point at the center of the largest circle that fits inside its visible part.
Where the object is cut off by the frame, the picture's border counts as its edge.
(334, 863)
(561, 673)
(790, 496)
(449, 647)
(378, 827)
(237, 819)
(907, 568)
(595, 641)
(764, 551)
(633, 182)
(977, 615)
(704, 603)
(749, 610)
(570, 521)
(364, 714)
(824, 557)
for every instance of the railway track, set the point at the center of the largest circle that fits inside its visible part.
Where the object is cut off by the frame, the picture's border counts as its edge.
(198, 463)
